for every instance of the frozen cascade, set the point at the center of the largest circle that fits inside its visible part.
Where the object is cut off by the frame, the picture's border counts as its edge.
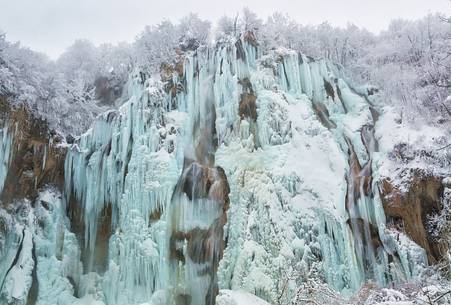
(38, 238)
(358, 240)
(317, 203)
(130, 162)
(147, 187)
(118, 167)
(5, 153)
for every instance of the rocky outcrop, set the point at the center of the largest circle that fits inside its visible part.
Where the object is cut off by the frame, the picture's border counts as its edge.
(36, 158)
(107, 90)
(167, 73)
(248, 106)
(203, 192)
(409, 211)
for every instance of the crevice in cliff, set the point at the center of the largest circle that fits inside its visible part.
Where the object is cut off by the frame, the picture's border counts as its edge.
(32, 296)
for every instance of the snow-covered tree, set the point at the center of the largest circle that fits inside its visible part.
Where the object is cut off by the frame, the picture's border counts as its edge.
(193, 32)
(280, 30)
(78, 66)
(226, 26)
(249, 21)
(155, 45)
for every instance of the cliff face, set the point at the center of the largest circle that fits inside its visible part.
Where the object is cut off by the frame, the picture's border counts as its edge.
(32, 214)
(237, 170)
(35, 157)
(410, 211)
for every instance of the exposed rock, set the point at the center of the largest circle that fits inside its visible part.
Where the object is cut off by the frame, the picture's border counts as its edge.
(246, 85)
(372, 90)
(250, 38)
(36, 159)
(204, 246)
(359, 225)
(155, 215)
(356, 176)
(196, 183)
(99, 259)
(329, 89)
(340, 97)
(240, 54)
(413, 207)
(167, 72)
(93, 259)
(70, 139)
(107, 91)
(248, 106)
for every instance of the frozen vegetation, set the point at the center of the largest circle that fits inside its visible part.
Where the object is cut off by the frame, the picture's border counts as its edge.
(239, 172)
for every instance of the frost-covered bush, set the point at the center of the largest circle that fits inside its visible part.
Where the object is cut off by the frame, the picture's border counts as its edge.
(440, 227)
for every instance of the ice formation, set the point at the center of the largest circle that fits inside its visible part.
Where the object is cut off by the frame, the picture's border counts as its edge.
(5, 152)
(250, 171)
(40, 256)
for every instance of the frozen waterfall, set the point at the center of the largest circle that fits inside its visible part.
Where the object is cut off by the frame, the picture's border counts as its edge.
(244, 170)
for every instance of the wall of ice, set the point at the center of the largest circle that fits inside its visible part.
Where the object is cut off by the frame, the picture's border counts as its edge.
(130, 163)
(297, 145)
(144, 190)
(40, 256)
(306, 202)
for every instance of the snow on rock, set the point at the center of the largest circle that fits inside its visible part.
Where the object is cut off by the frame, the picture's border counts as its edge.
(388, 297)
(410, 145)
(447, 182)
(231, 297)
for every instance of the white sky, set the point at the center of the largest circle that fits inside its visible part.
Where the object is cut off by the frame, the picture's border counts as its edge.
(52, 25)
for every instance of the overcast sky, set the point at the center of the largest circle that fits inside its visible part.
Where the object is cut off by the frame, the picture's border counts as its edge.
(52, 25)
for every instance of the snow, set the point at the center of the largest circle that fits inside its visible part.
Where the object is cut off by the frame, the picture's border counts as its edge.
(411, 146)
(231, 297)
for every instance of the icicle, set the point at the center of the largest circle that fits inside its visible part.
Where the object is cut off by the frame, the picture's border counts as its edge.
(152, 161)
(5, 153)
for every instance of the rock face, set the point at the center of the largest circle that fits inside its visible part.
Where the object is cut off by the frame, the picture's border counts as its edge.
(36, 159)
(248, 108)
(409, 210)
(33, 234)
(198, 216)
(107, 91)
